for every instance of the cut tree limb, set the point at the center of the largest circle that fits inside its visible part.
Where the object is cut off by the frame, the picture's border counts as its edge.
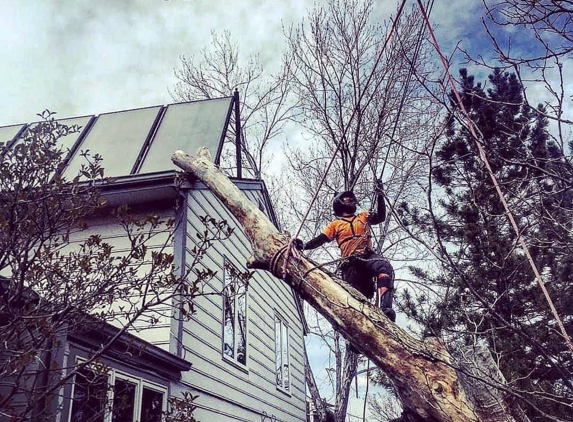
(422, 371)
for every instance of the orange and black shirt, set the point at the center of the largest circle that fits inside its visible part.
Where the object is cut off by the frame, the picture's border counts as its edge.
(353, 233)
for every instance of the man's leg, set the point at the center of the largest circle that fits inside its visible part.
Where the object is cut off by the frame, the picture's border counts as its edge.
(352, 274)
(385, 294)
(385, 286)
(384, 273)
(355, 275)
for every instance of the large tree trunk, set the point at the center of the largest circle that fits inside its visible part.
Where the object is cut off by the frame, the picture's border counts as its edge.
(422, 371)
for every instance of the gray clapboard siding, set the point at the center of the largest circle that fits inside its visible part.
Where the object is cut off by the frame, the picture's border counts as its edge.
(267, 357)
(253, 398)
(111, 232)
(269, 289)
(215, 378)
(219, 409)
(249, 399)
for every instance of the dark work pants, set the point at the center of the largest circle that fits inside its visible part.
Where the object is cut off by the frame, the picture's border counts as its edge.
(360, 271)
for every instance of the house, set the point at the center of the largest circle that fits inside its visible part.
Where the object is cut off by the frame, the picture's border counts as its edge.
(241, 353)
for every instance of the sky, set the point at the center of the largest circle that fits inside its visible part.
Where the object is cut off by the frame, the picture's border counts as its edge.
(89, 57)
(86, 57)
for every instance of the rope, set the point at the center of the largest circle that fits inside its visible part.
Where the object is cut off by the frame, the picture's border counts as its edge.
(290, 248)
(370, 76)
(324, 264)
(366, 392)
(402, 102)
(405, 91)
(484, 159)
(286, 251)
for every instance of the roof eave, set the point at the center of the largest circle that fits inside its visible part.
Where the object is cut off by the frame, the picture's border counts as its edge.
(139, 189)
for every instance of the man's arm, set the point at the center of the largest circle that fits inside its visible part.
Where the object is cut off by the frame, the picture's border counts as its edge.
(318, 241)
(378, 215)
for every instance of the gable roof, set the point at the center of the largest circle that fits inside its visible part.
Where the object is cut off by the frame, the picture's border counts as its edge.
(141, 141)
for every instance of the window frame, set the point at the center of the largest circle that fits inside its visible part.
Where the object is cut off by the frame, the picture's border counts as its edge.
(112, 375)
(282, 350)
(228, 269)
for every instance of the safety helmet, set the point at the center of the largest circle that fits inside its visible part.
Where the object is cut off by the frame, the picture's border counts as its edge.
(344, 202)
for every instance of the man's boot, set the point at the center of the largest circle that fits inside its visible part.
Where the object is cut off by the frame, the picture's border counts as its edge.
(385, 302)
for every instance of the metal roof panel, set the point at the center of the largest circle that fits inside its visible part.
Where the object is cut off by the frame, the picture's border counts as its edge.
(187, 126)
(118, 137)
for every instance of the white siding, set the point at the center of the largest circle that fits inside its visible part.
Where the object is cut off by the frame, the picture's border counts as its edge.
(228, 390)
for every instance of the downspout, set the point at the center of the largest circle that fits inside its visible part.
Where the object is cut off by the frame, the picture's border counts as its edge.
(238, 134)
(181, 246)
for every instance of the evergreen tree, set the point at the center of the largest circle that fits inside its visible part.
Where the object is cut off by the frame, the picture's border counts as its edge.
(490, 294)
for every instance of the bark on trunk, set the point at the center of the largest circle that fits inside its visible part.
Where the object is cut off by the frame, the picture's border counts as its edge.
(422, 371)
(491, 396)
(348, 374)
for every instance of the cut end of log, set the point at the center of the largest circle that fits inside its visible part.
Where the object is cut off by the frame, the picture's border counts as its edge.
(203, 152)
(257, 263)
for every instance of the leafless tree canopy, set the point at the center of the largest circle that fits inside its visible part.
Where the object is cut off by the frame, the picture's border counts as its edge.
(361, 105)
(265, 104)
(550, 22)
(384, 112)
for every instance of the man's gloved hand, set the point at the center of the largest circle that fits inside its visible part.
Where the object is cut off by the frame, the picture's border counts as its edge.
(299, 244)
(379, 186)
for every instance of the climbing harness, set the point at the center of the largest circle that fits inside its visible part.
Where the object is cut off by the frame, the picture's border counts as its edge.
(353, 235)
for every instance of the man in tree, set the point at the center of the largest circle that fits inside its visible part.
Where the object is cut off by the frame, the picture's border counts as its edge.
(361, 263)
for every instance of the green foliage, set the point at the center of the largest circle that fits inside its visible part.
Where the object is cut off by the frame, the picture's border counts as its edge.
(486, 289)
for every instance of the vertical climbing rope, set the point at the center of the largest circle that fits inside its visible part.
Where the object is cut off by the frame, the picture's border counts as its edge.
(406, 85)
(417, 49)
(368, 80)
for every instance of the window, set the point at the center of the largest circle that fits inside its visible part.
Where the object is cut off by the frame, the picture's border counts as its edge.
(234, 314)
(90, 396)
(102, 394)
(282, 365)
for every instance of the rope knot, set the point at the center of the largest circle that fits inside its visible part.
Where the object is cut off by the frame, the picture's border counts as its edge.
(286, 252)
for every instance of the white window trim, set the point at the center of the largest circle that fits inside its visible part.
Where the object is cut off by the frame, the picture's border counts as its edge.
(284, 325)
(139, 382)
(234, 360)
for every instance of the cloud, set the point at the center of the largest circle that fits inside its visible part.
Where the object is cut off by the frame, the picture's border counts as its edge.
(89, 57)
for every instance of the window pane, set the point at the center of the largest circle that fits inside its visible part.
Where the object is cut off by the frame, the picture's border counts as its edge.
(242, 325)
(234, 314)
(278, 354)
(229, 322)
(151, 405)
(90, 396)
(123, 401)
(285, 357)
